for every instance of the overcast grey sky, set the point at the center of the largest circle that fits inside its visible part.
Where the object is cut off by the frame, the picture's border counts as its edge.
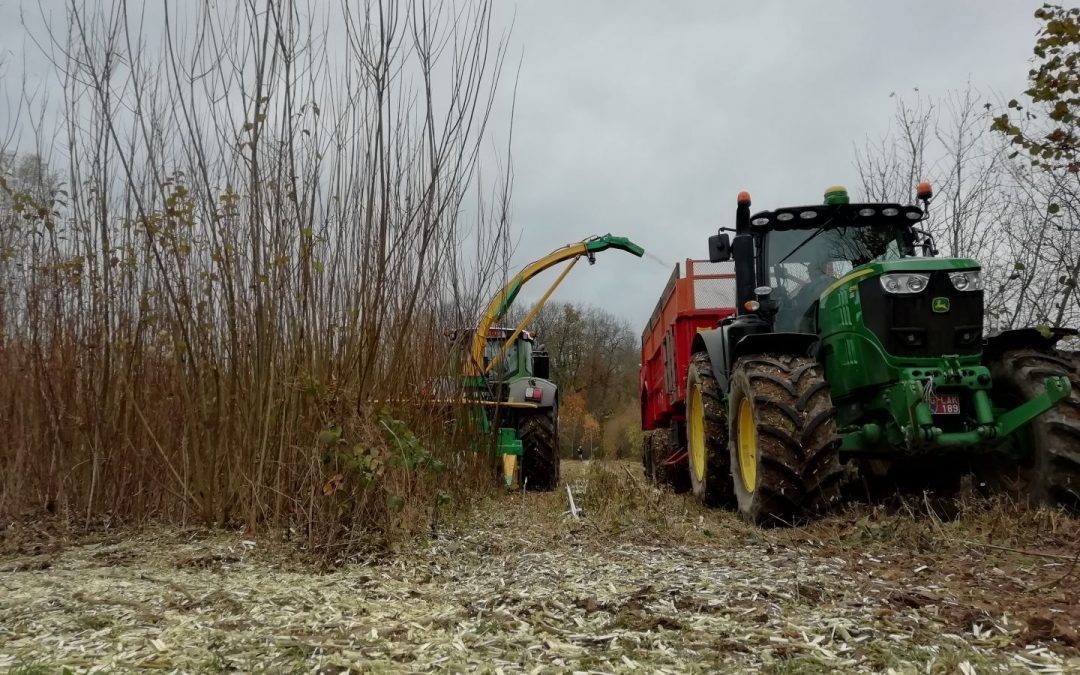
(645, 118)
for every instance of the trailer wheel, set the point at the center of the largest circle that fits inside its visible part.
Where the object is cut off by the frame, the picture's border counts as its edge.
(784, 448)
(539, 434)
(707, 435)
(647, 464)
(1052, 440)
(657, 450)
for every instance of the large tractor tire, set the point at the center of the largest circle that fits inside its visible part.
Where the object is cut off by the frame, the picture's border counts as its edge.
(539, 434)
(785, 452)
(1052, 440)
(707, 435)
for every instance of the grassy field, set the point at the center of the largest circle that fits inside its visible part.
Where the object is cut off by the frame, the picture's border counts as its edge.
(644, 581)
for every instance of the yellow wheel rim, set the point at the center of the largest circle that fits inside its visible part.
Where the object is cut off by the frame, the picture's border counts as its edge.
(695, 432)
(747, 446)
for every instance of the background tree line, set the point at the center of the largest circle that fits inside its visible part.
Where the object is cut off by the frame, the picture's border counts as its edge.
(594, 360)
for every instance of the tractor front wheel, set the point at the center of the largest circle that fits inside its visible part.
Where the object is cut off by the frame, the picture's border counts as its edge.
(784, 448)
(707, 435)
(1051, 441)
(539, 434)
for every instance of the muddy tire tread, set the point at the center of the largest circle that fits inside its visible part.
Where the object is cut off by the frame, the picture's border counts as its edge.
(1055, 474)
(539, 434)
(799, 472)
(719, 490)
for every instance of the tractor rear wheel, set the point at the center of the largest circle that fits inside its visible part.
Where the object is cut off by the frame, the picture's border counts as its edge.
(707, 435)
(784, 448)
(539, 434)
(1051, 440)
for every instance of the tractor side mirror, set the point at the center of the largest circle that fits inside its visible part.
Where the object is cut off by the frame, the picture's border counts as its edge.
(541, 365)
(719, 248)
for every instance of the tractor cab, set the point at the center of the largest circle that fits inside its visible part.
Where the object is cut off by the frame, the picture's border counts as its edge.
(522, 358)
(802, 252)
(792, 256)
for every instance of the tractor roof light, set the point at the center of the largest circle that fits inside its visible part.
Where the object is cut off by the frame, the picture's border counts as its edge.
(866, 213)
(808, 215)
(924, 192)
(837, 194)
(759, 222)
(890, 212)
(744, 198)
(784, 217)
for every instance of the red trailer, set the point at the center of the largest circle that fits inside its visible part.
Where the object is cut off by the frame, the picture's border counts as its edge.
(695, 297)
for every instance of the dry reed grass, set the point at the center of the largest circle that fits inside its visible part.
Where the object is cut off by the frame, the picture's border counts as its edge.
(222, 298)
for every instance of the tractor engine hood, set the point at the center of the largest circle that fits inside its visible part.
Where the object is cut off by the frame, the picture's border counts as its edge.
(915, 307)
(901, 265)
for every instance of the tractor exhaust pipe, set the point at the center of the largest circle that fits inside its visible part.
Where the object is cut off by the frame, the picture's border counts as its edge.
(742, 249)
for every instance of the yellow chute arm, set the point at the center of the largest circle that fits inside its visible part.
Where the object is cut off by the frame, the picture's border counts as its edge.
(506, 295)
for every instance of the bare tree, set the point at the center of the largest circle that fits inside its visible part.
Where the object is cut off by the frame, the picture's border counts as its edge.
(987, 207)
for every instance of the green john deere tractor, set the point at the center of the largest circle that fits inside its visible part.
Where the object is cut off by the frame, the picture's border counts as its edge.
(853, 346)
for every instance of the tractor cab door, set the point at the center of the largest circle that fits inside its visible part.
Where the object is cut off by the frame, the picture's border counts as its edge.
(800, 269)
(802, 264)
(514, 364)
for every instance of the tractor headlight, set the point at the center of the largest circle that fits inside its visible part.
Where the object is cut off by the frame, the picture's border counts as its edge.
(904, 283)
(966, 281)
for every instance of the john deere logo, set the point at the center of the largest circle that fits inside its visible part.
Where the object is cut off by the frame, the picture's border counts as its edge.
(940, 305)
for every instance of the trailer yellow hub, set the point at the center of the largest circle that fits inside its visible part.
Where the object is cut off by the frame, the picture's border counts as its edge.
(746, 440)
(695, 431)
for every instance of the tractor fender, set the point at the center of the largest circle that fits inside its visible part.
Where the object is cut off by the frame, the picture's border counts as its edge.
(997, 344)
(713, 342)
(516, 392)
(776, 343)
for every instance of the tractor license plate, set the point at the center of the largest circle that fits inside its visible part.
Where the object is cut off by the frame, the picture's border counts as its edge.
(945, 404)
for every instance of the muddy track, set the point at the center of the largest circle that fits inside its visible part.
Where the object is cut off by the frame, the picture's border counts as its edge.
(646, 581)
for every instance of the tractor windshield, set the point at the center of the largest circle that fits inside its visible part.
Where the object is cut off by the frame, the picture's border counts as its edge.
(802, 264)
(508, 368)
